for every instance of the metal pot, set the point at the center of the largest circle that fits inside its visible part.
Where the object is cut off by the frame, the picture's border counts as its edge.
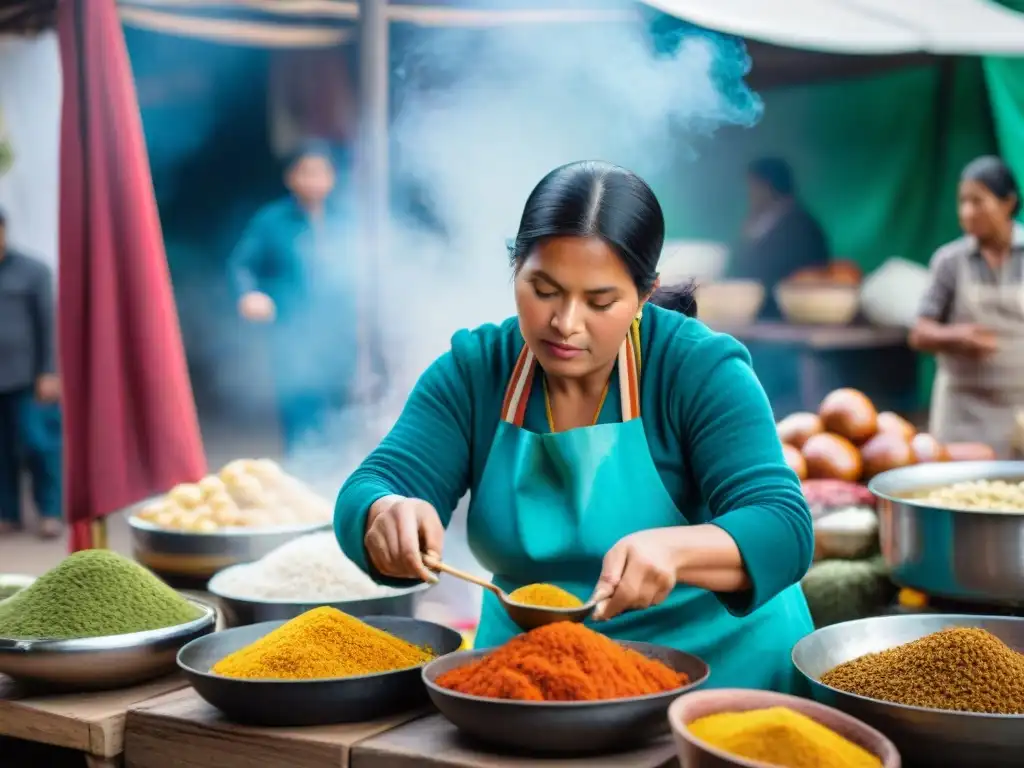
(963, 555)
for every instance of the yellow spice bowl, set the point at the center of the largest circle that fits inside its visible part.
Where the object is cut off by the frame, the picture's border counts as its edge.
(698, 754)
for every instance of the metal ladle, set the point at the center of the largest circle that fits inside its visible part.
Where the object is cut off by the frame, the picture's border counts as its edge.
(527, 617)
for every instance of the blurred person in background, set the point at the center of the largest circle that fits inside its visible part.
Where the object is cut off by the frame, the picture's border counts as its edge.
(972, 316)
(295, 269)
(30, 423)
(780, 236)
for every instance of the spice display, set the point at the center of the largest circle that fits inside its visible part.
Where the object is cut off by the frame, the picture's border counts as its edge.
(962, 669)
(545, 596)
(311, 568)
(781, 737)
(978, 495)
(319, 644)
(247, 493)
(562, 662)
(94, 593)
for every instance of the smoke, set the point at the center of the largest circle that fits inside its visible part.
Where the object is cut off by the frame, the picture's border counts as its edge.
(481, 116)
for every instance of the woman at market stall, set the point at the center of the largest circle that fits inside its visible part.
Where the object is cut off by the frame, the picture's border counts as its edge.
(972, 315)
(605, 441)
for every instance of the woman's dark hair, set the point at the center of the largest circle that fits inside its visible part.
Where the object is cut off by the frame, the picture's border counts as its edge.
(678, 298)
(596, 199)
(775, 172)
(309, 148)
(995, 175)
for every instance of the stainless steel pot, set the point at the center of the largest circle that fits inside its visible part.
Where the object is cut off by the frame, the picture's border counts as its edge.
(957, 554)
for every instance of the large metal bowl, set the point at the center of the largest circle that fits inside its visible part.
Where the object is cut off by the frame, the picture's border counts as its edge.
(563, 727)
(241, 611)
(956, 554)
(12, 583)
(180, 554)
(927, 737)
(311, 702)
(99, 663)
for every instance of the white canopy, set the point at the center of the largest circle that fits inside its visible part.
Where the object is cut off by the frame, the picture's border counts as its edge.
(862, 26)
(869, 27)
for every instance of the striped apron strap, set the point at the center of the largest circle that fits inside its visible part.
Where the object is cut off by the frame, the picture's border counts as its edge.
(517, 393)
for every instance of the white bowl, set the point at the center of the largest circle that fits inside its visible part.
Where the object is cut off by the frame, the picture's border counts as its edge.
(730, 302)
(683, 260)
(817, 304)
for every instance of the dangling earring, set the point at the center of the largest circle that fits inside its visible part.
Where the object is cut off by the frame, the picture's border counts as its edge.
(640, 314)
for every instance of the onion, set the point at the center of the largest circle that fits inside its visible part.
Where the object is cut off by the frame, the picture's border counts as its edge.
(850, 414)
(797, 427)
(893, 423)
(885, 451)
(795, 460)
(927, 449)
(832, 456)
(970, 452)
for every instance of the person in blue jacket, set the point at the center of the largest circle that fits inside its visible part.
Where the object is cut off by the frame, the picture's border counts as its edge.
(611, 447)
(295, 269)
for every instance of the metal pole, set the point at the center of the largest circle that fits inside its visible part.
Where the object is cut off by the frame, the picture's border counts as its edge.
(372, 197)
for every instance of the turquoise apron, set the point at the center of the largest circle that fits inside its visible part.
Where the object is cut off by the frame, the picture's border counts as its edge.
(549, 506)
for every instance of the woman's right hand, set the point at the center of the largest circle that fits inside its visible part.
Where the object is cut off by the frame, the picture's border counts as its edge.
(973, 340)
(398, 531)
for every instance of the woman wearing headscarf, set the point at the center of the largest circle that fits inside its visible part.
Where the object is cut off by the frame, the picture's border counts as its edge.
(972, 315)
(296, 269)
(611, 447)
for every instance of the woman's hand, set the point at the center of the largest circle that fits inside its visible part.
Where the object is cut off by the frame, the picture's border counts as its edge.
(972, 340)
(398, 531)
(638, 572)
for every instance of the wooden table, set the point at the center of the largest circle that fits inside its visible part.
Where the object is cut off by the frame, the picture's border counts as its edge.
(433, 742)
(181, 730)
(800, 364)
(90, 723)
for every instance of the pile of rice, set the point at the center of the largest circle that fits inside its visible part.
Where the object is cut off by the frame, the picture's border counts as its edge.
(311, 568)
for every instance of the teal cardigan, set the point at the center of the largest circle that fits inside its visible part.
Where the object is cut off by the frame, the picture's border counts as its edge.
(708, 423)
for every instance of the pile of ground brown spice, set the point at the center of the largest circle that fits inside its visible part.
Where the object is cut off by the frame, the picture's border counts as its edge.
(962, 669)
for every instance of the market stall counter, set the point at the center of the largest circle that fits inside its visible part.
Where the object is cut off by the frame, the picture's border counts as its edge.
(181, 730)
(433, 742)
(92, 724)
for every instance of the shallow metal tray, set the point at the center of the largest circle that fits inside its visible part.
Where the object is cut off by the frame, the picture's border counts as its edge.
(576, 728)
(932, 737)
(312, 702)
(96, 663)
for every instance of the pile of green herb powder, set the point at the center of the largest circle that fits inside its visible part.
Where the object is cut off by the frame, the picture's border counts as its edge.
(93, 593)
(6, 590)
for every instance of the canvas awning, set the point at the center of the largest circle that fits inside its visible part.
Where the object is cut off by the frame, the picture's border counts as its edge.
(965, 27)
(859, 27)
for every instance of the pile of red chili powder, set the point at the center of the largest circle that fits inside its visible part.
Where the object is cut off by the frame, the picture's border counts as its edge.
(562, 662)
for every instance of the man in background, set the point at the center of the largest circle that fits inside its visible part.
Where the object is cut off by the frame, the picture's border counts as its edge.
(30, 427)
(779, 236)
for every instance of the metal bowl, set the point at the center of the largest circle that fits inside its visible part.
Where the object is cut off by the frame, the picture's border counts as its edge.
(562, 727)
(181, 554)
(99, 663)
(694, 753)
(932, 737)
(311, 702)
(956, 554)
(12, 583)
(242, 611)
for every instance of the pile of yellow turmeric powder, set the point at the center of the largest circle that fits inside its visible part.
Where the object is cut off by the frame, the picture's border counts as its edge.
(319, 644)
(779, 736)
(545, 596)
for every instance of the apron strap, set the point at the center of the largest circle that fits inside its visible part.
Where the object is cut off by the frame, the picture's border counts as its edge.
(517, 393)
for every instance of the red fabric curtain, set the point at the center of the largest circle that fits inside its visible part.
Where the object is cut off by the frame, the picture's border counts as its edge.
(130, 421)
